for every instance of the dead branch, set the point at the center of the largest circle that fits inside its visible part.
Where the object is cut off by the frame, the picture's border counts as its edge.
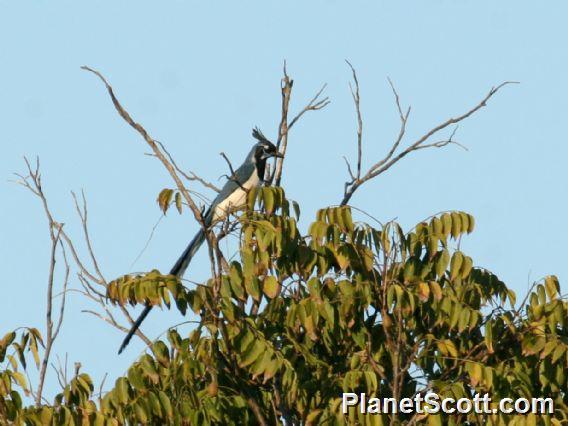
(33, 182)
(282, 141)
(233, 176)
(314, 105)
(391, 158)
(154, 146)
(55, 239)
(61, 372)
(83, 216)
(108, 320)
(193, 176)
(357, 100)
(85, 276)
(163, 157)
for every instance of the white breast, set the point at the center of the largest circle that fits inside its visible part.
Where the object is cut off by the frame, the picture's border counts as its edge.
(236, 200)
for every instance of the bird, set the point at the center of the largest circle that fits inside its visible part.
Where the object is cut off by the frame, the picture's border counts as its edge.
(231, 198)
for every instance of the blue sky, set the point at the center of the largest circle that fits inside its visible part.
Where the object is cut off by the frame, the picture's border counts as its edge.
(200, 75)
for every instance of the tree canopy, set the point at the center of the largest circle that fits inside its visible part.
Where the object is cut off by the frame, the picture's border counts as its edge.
(301, 316)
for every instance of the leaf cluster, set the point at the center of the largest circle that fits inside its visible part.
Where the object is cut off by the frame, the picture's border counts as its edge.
(346, 307)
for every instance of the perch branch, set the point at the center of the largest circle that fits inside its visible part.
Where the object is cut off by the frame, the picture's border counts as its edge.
(314, 104)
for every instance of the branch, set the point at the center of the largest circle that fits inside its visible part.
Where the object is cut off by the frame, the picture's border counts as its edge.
(55, 239)
(381, 166)
(60, 372)
(109, 320)
(162, 155)
(282, 141)
(83, 216)
(193, 176)
(314, 104)
(33, 182)
(357, 101)
(152, 144)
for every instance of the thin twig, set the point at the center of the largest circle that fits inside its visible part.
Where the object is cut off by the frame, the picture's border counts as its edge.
(381, 166)
(33, 182)
(106, 319)
(315, 104)
(233, 176)
(163, 157)
(193, 176)
(153, 145)
(83, 216)
(357, 100)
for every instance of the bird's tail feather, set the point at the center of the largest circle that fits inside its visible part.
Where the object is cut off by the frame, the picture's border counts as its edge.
(177, 270)
(183, 262)
(135, 327)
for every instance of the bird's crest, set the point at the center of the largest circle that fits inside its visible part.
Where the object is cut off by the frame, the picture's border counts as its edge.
(257, 134)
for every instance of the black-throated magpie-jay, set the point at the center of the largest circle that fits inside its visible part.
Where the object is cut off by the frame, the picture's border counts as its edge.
(232, 197)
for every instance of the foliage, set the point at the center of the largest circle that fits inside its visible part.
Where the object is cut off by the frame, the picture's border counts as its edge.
(348, 307)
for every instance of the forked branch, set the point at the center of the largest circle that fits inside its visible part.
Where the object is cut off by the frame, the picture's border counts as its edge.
(356, 178)
(53, 323)
(154, 146)
(315, 104)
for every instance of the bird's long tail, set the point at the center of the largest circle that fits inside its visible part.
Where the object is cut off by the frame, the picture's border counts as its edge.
(183, 262)
(177, 270)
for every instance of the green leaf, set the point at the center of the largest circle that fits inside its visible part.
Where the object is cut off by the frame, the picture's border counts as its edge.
(271, 287)
(552, 286)
(121, 390)
(166, 404)
(489, 336)
(268, 199)
(442, 262)
(456, 225)
(455, 265)
(252, 353)
(20, 379)
(178, 202)
(164, 199)
(466, 266)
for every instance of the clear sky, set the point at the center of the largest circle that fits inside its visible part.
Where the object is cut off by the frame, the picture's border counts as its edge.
(200, 75)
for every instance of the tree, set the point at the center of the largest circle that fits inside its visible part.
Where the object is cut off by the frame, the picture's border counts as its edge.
(303, 316)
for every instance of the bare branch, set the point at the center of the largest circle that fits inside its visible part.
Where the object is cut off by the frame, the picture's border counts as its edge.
(349, 169)
(78, 261)
(63, 293)
(193, 176)
(48, 318)
(33, 182)
(83, 216)
(153, 145)
(390, 159)
(233, 176)
(357, 101)
(163, 157)
(222, 154)
(282, 141)
(314, 104)
(107, 319)
(101, 388)
(61, 372)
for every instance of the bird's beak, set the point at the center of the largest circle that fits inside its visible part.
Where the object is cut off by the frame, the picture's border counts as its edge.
(278, 154)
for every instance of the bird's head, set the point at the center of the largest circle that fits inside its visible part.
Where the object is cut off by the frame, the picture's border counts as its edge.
(264, 149)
